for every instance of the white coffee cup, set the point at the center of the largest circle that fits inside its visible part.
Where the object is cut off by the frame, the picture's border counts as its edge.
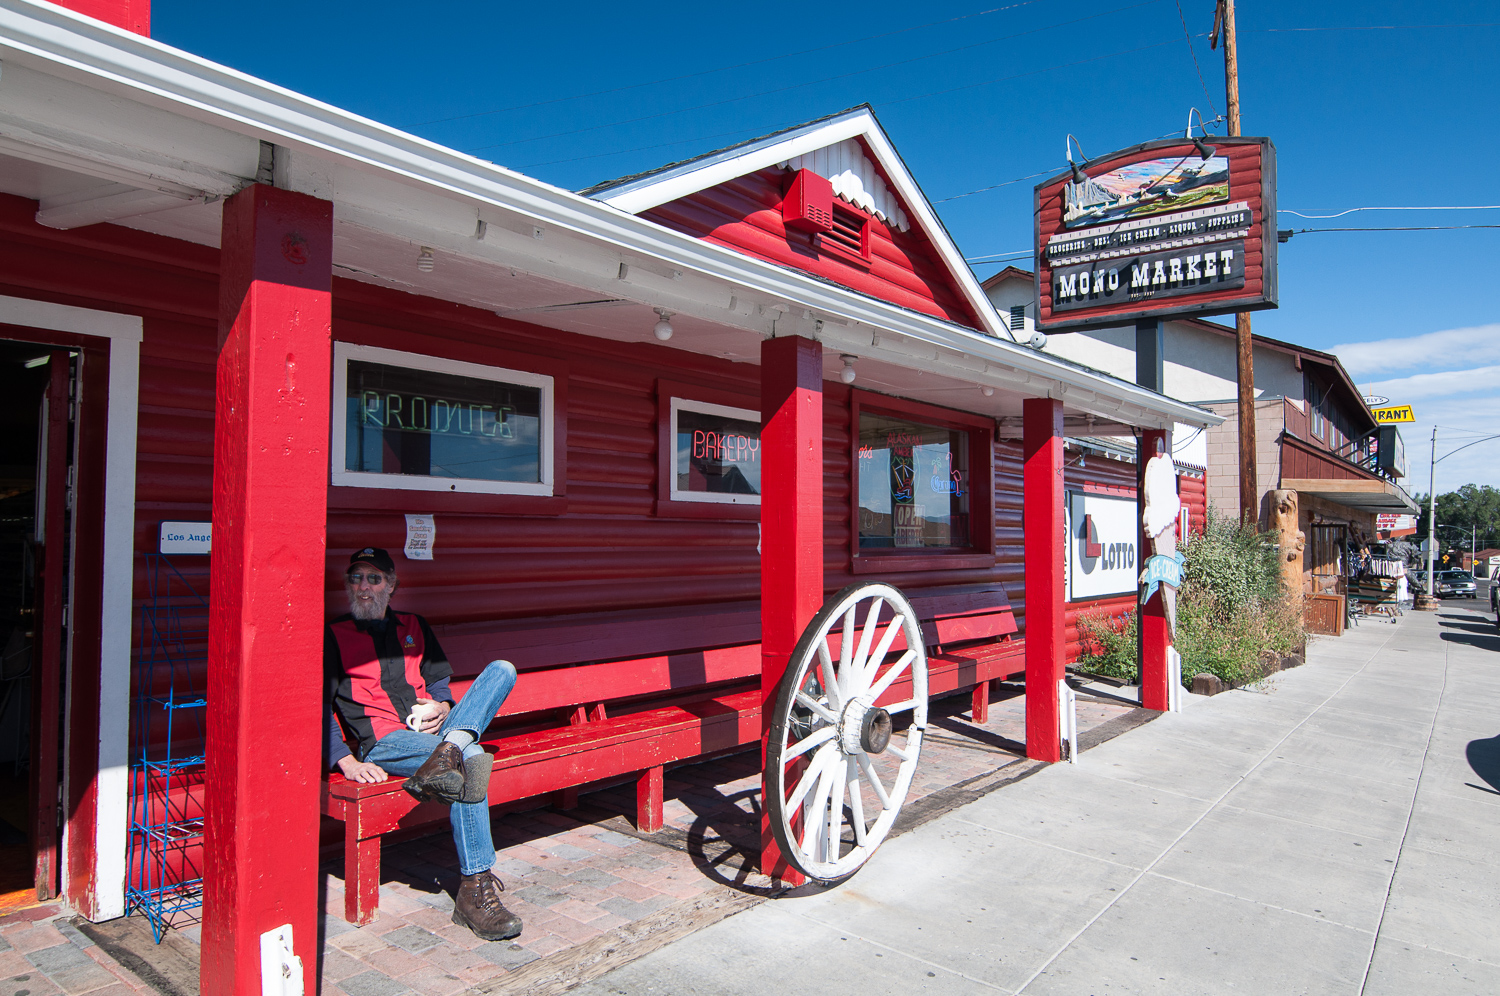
(420, 713)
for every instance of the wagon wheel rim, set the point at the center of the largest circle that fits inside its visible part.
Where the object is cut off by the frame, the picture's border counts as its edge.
(847, 731)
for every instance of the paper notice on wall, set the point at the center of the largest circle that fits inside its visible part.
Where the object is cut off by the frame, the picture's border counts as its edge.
(421, 530)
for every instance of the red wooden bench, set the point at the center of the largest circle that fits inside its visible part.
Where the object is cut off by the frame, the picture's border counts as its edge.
(634, 716)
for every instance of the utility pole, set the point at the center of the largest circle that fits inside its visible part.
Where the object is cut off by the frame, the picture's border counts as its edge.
(1245, 354)
(1431, 512)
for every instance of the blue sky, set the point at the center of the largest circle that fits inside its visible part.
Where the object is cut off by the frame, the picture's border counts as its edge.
(982, 93)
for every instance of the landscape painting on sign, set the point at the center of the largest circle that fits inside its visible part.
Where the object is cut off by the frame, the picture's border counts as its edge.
(1145, 188)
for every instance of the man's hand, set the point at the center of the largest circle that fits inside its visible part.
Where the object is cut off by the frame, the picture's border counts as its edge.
(361, 771)
(433, 722)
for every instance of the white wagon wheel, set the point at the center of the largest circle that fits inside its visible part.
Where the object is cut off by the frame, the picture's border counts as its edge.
(836, 769)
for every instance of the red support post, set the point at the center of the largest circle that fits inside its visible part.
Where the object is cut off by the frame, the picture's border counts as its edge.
(791, 518)
(1045, 550)
(1153, 635)
(265, 642)
(979, 704)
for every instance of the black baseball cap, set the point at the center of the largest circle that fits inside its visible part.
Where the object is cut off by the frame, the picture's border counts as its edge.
(375, 557)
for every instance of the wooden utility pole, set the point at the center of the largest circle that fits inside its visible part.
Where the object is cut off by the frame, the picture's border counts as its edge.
(1245, 355)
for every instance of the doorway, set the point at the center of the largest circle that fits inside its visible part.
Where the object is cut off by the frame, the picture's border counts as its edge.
(36, 384)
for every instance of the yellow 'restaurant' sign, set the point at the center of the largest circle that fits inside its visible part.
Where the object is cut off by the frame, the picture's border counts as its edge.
(1395, 413)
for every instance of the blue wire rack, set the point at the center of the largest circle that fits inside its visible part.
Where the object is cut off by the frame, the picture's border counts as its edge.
(166, 761)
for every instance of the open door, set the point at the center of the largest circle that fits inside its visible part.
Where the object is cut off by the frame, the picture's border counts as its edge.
(50, 555)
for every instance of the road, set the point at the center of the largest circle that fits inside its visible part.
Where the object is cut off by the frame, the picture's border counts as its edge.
(1330, 832)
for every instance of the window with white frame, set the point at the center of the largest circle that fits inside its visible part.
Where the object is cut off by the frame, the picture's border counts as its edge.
(413, 422)
(715, 453)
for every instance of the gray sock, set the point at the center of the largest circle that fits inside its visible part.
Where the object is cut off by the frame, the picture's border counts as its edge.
(460, 738)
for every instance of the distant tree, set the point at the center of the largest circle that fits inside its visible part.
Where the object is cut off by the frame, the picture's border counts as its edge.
(1475, 506)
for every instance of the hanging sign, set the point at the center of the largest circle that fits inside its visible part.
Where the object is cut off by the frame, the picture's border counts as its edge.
(421, 530)
(1394, 414)
(186, 537)
(1165, 228)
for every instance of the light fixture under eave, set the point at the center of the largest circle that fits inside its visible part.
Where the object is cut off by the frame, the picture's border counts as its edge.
(988, 392)
(425, 262)
(847, 374)
(663, 327)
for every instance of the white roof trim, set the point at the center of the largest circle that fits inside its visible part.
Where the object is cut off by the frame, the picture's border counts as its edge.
(650, 191)
(110, 60)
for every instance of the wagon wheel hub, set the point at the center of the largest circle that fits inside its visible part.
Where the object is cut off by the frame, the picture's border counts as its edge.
(864, 727)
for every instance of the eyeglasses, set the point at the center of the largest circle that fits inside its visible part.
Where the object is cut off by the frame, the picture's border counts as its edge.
(375, 580)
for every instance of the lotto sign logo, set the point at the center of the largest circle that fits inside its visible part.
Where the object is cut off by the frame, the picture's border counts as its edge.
(1394, 414)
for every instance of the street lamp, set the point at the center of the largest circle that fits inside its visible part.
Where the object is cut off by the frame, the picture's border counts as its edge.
(1432, 499)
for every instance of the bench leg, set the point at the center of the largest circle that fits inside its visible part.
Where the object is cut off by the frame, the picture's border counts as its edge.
(980, 712)
(566, 799)
(361, 875)
(649, 790)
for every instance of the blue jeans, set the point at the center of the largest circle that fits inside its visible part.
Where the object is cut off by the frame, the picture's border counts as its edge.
(402, 752)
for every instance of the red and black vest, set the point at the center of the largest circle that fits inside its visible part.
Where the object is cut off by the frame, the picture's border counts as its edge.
(376, 673)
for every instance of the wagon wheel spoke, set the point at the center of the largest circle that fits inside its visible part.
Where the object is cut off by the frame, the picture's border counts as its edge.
(826, 675)
(866, 637)
(874, 779)
(837, 785)
(895, 671)
(813, 705)
(810, 777)
(856, 801)
(806, 744)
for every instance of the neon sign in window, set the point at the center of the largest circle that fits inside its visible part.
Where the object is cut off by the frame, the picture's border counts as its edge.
(418, 422)
(716, 453)
(913, 484)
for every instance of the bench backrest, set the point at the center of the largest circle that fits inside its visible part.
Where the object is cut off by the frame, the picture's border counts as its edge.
(584, 659)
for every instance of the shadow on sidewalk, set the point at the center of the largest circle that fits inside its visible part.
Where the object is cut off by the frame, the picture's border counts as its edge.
(1484, 759)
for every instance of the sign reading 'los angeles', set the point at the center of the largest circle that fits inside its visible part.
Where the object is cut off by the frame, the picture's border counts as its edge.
(1164, 228)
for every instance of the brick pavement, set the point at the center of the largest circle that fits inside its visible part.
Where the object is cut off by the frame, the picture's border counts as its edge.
(573, 877)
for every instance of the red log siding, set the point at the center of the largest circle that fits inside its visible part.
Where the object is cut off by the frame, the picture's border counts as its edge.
(745, 215)
(1193, 490)
(1245, 176)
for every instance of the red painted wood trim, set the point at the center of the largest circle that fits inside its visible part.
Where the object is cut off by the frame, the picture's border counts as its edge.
(46, 683)
(1045, 605)
(132, 15)
(1153, 633)
(791, 575)
(981, 553)
(270, 488)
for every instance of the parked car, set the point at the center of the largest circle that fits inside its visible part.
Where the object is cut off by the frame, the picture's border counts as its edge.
(1456, 584)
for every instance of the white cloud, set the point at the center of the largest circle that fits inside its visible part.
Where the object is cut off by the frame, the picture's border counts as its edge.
(1449, 383)
(1452, 348)
(1458, 422)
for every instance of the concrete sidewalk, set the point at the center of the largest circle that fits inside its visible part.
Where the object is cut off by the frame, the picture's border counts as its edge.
(1330, 832)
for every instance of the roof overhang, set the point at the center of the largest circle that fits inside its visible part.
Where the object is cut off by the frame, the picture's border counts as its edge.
(81, 98)
(1367, 496)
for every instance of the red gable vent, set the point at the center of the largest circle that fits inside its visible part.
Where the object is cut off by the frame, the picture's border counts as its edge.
(808, 206)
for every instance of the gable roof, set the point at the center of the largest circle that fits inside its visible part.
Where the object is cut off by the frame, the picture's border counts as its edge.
(818, 143)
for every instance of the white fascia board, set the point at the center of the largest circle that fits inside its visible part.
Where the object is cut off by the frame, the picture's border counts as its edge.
(670, 185)
(51, 39)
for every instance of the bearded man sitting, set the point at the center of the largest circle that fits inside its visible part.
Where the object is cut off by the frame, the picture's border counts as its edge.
(387, 680)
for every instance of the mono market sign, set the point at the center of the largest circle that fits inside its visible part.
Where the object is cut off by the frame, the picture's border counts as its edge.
(1174, 227)
(1103, 533)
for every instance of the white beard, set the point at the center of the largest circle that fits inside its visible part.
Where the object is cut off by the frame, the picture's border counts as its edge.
(371, 610)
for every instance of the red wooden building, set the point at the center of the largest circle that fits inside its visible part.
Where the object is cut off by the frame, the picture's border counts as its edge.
(654, 425)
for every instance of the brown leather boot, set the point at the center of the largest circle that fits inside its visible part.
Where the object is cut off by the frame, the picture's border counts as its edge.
(478, 907)
(441, 776)
(477, 777)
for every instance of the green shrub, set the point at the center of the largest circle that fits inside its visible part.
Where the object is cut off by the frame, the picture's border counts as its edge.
(1231, 612)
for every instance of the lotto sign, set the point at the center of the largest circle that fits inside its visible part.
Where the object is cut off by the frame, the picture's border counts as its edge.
(1394, 414)
(1103, 533)
(1164, 228)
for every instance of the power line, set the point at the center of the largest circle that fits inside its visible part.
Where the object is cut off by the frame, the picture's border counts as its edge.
(1410, 228)
(997, 257)
(827, 79)
(1193, 52)
(1326, 217)
(1382, 27)
(724, 69)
